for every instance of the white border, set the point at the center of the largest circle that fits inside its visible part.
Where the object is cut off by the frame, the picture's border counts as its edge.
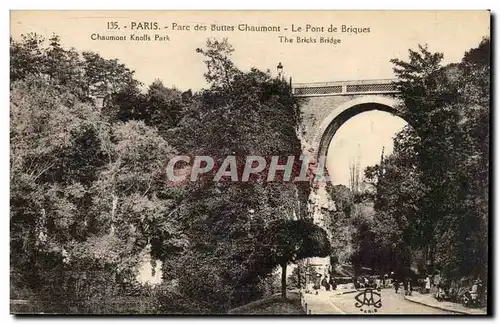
(257, 5)
(191, 5)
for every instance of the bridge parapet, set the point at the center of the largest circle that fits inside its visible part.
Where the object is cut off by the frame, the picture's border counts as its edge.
(342, 88)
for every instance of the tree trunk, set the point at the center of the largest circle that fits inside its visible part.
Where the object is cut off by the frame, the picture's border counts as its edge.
(299, 273)
(283, 280)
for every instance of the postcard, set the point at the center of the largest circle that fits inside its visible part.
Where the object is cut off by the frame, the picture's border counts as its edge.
(250, 162)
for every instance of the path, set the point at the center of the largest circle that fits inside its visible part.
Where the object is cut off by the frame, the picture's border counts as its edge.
(392, 303)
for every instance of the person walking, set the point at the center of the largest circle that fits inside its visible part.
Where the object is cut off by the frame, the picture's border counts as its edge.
(325, 283)
(355, 283)
(317, 282)
(427, 285)
(408, 288)
(332, 283)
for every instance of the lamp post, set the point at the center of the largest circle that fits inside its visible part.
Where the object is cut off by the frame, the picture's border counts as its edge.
(279, 68)
(250, 221)
(250, 235)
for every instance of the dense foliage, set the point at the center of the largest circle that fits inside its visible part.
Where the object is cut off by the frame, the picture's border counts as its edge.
(448, 109)
(90, 199)
(429, 198)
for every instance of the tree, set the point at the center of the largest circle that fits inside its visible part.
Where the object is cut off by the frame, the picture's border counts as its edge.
(26, 57)
(291, 241)
(220, 69)
(86, 196)
(103, 76)
(90, 197)
(166, 106)
(397, 200)
(299, 275)
(84, 75)
(56, 154)
(227, 223)
(434, 185)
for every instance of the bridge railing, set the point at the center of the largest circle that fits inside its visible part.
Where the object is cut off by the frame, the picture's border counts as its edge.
(342, 88)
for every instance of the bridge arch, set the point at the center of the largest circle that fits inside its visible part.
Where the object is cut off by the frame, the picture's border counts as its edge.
(342, 113)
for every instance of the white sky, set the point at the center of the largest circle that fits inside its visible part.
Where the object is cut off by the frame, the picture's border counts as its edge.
(363, 135)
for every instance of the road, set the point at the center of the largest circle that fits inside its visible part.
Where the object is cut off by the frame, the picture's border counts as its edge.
(392, 303)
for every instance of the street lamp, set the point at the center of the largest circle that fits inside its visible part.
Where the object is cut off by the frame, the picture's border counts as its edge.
(280, 70)
(250, 220)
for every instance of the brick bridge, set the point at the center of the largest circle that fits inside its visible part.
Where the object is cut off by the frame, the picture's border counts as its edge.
(325, 107)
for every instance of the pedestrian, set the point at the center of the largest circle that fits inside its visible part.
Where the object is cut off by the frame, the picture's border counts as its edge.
(480, 289)
(437, 279)
(317, 282)
(427, 285)
(396, 285)
(332, 283)
(408, 287)
(440, 295)
(475, 291)
(453, 289)
(325, 283)
(389, 282)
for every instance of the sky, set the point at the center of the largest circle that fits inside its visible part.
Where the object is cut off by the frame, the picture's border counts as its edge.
(362, 136)
(363, 55)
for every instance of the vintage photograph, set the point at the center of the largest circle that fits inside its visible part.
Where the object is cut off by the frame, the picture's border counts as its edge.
(250, 162)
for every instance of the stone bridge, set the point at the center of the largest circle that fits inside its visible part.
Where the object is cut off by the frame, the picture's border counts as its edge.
(325, 107)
